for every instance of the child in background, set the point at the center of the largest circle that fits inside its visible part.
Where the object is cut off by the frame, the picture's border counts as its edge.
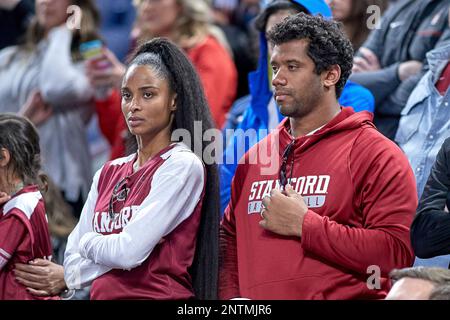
(24, 234)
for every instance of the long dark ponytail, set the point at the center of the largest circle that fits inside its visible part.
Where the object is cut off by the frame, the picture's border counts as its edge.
(170, 62)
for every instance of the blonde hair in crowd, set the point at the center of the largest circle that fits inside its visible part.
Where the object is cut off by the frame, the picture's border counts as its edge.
(193, 25)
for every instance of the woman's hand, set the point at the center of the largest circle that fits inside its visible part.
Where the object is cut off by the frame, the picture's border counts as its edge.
(41, 277)
(105, 72)
(35, 109)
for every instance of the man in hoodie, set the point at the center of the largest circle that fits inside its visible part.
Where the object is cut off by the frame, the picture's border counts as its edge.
(321, 208)
(256, 114)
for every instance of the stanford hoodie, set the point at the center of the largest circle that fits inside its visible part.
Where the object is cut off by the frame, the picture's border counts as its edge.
(361, 196)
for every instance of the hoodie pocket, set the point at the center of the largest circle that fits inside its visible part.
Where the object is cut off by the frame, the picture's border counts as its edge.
(308, 287)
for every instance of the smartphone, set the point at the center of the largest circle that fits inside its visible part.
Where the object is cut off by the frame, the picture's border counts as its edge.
(91, 50)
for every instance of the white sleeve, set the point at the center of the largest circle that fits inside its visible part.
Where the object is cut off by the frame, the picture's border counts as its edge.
(78, 271)
(62, 82)
(176, 189)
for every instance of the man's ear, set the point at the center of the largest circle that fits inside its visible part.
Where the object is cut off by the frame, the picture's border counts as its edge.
(331, 76)
(5, 157)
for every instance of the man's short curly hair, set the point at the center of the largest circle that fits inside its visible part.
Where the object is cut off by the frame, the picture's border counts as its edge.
(327, 43)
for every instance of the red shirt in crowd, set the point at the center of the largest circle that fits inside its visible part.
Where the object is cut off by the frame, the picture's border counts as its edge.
(444, 80)
(218, 75)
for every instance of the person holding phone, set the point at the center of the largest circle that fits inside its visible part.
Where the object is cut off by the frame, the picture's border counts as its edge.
(44, 78)
(187, 24)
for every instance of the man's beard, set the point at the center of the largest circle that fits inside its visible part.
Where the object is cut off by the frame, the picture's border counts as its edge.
(297, 109)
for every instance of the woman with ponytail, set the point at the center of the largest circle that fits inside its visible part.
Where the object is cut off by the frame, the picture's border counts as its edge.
(24, 234)
(149, 229)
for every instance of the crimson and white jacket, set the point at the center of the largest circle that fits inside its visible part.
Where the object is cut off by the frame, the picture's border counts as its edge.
(145, 251)
(24, 236)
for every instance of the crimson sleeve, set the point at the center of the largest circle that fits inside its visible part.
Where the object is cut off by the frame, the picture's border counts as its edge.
(112, 123)
(214, 94)
(385, 195)
(219, 80)
(109, 114)
(12, 233)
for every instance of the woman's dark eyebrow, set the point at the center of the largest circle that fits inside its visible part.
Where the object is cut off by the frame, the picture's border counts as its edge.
(148, 87)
